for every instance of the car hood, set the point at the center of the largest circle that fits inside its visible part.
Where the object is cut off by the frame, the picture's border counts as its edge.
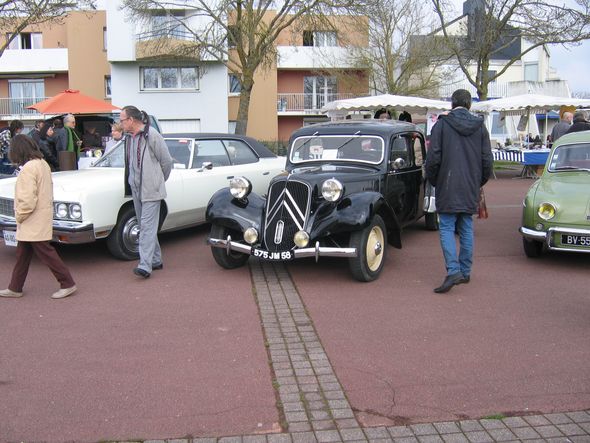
(73, 185)
(569, 192)
(355, 178)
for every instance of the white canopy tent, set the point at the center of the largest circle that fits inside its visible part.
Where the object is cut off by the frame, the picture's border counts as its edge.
(528, 105)
(340, 108)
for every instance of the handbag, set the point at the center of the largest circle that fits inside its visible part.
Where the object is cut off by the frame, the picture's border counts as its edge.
(482, 210)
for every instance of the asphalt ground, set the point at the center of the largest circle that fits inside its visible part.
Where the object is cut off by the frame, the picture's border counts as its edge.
(183, 353)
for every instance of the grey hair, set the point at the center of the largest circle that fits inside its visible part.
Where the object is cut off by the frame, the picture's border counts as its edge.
(69, 117)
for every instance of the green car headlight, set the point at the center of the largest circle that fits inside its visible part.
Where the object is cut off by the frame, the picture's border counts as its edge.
(546, 211)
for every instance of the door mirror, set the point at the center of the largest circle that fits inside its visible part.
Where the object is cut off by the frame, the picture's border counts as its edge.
(398, 163)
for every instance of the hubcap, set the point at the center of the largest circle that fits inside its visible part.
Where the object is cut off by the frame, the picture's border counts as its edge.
(131, 235)
(375, 243)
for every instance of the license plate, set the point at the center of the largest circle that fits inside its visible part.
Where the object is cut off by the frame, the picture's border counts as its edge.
(273, 256)
(10, 238)
(575, 240)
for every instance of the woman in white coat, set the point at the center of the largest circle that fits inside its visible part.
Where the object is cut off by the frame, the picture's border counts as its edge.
(33, 208)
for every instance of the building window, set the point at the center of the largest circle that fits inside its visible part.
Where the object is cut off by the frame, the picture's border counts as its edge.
(319, 38)
(163, 77)
(26, 40)
(531, 72)
(169, 24)
(104, 38)
(234, 84)
(24, 93)
(107, 86)
(318, 91)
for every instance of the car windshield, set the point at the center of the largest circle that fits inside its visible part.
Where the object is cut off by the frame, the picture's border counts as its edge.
(570, 157)
(180, 151)
(326, 148)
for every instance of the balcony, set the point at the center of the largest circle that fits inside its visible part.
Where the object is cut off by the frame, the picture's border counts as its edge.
(556, 88)
(165, 42)
(311, 57)
(306, 104)
(22, 61)
(16, 108)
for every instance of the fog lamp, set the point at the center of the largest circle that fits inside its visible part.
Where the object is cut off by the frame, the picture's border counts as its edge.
(240, 187)
(301, 239)
(546, 211)
(251, 236)
(539, 227)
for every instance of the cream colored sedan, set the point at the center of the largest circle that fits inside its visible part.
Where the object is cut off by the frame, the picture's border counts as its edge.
(89, 204)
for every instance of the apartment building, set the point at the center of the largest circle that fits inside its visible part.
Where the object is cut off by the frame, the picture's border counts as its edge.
(46, 59)
(313, 67)
(186, 94)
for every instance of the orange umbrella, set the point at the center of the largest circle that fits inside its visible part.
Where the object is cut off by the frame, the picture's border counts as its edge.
(71, 101)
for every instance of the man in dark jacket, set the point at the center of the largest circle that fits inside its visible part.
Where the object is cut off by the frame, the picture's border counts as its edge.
(458, 163)
(580, 123)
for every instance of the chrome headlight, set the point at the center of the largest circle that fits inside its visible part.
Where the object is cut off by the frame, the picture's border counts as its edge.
(61, 210)
(76, 211)
(546, 211)
(332, 189)
(240, 187)
(251, 235)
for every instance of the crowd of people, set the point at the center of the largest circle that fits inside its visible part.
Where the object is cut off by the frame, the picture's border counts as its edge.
(147, 167)
(55, 136)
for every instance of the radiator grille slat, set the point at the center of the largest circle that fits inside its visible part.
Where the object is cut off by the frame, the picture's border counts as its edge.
(286, 213)
(7, 207)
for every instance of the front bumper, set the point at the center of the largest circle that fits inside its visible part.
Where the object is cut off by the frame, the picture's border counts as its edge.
(317, 251)
(548, 237)
(63, 231)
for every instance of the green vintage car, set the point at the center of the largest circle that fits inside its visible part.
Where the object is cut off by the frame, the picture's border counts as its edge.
(556, 213)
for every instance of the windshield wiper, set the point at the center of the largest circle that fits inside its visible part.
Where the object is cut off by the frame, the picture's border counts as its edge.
(354, 137)
(570, 168)
(300, 148)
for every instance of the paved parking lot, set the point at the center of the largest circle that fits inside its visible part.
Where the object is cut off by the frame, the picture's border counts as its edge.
(196, 351)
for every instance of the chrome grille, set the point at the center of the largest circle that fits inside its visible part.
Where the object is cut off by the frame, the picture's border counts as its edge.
(287, 210)
(7, 207)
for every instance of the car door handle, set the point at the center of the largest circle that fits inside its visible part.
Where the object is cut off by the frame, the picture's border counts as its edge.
(229, 177)
(266, 173)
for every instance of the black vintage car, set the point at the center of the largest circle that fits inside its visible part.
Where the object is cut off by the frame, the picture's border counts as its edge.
(348, 190)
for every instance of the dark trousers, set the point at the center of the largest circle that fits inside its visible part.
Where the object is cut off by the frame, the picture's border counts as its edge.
(48, 255)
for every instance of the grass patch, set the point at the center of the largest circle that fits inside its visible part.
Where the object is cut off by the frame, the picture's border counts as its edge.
(494, 417)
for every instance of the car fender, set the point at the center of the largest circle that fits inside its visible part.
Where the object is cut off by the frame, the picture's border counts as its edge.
(352, 213)
(238, 214)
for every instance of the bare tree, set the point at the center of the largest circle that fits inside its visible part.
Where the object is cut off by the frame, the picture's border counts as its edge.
(238, 33)
(17, 15)
(401, 62)
(497, 28)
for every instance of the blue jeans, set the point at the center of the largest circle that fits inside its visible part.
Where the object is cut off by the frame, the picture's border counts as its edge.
(463, 224)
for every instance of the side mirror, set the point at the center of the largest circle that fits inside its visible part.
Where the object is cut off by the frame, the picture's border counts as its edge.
(207, 165)
(398, 163)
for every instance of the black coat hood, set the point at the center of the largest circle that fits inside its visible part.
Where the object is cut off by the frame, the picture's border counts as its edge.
(462, 121)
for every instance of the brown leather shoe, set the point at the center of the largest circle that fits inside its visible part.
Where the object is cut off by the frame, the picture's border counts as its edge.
(7, 293)
(450, 281)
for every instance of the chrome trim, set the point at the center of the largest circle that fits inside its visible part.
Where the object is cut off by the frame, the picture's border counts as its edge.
(316, 251)
(75, 232)
(547, 237)
(532, 234)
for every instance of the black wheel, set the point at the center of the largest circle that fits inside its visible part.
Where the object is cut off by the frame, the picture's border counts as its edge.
(532, 248)
(123, 241)
(371, 244)
(233, 259)
(431, 221)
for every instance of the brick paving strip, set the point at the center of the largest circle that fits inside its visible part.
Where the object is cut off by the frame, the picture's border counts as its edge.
(314, 408)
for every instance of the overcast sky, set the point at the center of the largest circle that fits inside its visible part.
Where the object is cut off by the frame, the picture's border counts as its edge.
(572, 65)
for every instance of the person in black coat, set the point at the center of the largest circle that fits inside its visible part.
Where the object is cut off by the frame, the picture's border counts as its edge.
(580, 123)
(47, 146)
(458, 163)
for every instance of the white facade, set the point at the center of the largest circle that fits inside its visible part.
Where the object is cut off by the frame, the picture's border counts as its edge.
(202, 108)
(34, 60)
